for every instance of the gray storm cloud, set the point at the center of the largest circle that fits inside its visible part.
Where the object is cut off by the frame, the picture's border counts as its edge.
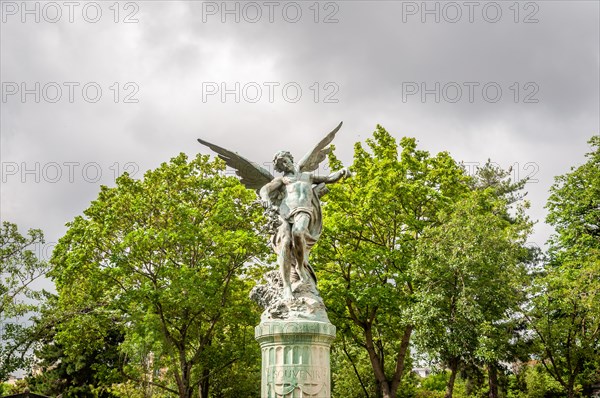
(148, 78)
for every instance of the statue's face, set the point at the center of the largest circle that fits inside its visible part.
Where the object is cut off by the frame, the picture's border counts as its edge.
(285, 164)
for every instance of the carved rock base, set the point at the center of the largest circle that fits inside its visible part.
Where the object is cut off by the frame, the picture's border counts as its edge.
(306, 304)
(295, 358)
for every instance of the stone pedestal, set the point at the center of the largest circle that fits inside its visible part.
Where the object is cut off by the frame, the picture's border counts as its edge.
(295, 358)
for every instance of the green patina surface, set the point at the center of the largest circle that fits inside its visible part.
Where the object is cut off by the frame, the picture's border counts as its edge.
(295, 358)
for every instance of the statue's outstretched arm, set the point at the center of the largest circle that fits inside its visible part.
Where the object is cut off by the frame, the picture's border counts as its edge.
(333, 177)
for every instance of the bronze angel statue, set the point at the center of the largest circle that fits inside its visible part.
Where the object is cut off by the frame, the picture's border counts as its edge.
(291, 202)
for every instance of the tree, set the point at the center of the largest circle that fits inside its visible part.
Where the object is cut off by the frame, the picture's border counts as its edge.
(503, 340)
(468, 270)
(352, 373)
(566, 306)
(372, 225)
(19, 269)
(89, 374)
(165, 259)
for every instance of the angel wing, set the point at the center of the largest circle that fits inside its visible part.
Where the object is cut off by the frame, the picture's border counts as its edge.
(252, 175)
(311, 160)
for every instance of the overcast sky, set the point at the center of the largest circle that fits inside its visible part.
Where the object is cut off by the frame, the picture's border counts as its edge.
(90, 89)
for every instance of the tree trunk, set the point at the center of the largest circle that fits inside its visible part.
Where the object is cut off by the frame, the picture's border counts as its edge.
(378, 390)
(570, 391)
(383, 390)
(453, 370)
(187, 392)
(383, 385)
(469, 385)
(400, 361)
(387, 388)
(183, 381)
(204, 384)
(493, 379)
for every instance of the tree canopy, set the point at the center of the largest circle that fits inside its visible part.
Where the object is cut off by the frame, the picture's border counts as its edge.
(566, 307)
(412, 244)
(418, 259)
(165, 258)
(20, 268)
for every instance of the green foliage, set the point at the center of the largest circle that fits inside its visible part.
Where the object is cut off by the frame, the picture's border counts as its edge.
(153, 283)
(540, 384)
(574, 210)
(566, 311)
(435, 381)
(412, 242)
(90, 373)
(531, 380)
(465, 269)
(129, 389)
(470, 274)
(434, 386)
(17, 387)
(19, 269)
(372, 225)
(163, 259)
(351, 371)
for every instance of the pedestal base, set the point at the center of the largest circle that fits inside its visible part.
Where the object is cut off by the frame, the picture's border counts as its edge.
(295, 358)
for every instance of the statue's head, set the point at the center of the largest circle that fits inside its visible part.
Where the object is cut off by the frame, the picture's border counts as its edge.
(283, 161)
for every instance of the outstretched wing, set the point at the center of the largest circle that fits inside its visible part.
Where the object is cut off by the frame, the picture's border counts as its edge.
(311, 160)
(252, 175)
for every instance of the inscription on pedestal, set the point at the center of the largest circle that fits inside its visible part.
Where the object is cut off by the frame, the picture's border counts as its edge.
(295, 359)
(295, 328)
(284, 379)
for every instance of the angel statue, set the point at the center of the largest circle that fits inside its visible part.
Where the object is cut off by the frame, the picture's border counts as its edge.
(291, 202)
